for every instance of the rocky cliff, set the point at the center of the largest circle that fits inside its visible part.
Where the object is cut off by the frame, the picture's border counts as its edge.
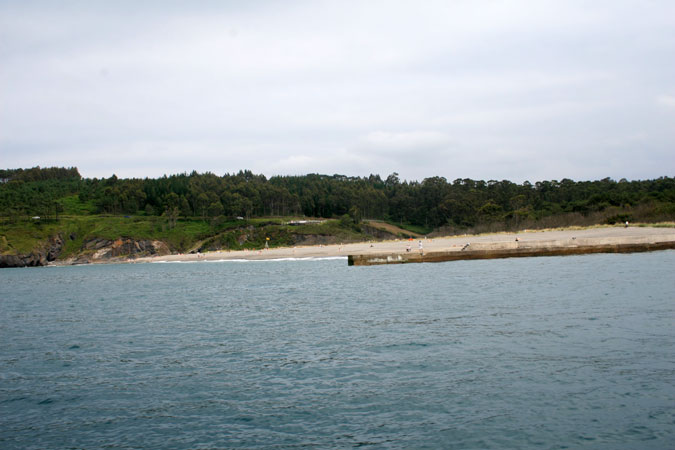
(44, 254)
(93, 250)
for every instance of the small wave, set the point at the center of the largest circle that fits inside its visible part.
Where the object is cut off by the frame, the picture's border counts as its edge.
(173, 262)
(309, 258)
(242, 260)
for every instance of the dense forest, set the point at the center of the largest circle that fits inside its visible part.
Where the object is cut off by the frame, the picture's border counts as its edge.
(434, 203)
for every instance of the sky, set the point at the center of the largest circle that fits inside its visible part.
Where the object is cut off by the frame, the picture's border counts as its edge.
(484, 89)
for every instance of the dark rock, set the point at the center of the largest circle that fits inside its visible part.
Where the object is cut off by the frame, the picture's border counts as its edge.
(96, 244)
(100, 243)
(81, 260)
(11, 261)
(54, 248)
(132, 248)
(40, 257)
(93, 249)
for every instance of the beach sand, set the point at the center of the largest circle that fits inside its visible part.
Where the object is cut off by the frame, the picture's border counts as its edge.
(588, 236)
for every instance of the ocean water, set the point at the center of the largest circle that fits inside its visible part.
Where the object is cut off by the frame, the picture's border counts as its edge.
(557, 352)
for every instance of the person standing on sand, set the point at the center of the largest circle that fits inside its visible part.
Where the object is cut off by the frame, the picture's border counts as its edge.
(420, 247)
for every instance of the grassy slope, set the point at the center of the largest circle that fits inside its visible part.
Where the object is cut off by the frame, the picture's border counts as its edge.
(256, 233)
(25, 236)
(420, 230)
(397, 230)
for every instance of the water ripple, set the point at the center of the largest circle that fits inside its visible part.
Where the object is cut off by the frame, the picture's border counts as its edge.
(529, 353)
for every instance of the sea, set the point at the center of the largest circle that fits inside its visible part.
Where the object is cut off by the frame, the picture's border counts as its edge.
(546, 352)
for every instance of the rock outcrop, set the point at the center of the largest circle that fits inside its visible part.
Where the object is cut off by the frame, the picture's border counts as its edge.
(32, 259)
(93, 250)
(103, 249)
(54, 247)
(48, 252)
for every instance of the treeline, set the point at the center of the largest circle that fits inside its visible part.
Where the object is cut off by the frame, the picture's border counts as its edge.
(40, 174)
(432, 203)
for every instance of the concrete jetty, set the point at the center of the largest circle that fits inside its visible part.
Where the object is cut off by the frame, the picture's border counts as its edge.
(527, 245)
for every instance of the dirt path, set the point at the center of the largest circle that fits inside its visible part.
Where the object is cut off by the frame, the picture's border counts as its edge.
(393, 229)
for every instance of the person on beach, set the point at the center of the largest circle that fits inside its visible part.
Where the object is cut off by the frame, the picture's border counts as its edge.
(420, 247)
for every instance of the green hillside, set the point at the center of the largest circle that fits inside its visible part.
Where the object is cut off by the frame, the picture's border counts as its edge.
(187, 212)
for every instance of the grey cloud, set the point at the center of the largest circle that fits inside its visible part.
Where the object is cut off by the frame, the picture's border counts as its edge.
(516, 90)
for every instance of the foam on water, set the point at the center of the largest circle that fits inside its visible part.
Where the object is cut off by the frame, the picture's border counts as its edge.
(239, 260)
(308, 258)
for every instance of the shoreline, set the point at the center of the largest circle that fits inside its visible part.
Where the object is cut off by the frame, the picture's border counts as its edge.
(563, 238)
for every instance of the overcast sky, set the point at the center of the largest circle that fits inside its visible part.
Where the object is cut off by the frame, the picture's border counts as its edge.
(518, 90)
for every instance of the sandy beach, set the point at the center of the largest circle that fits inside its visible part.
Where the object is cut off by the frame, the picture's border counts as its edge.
(589, 236)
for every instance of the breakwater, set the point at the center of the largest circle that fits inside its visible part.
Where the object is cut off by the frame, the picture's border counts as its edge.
(495, 250)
